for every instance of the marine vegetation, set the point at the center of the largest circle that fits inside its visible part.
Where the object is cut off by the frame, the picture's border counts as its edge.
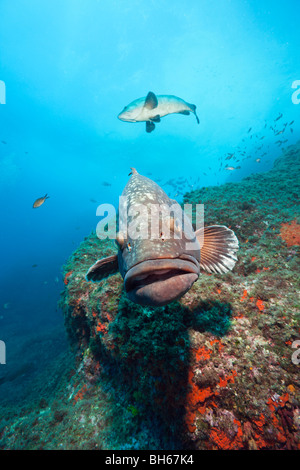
(212, 370)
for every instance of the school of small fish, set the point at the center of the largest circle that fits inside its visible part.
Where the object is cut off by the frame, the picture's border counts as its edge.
(179, 186)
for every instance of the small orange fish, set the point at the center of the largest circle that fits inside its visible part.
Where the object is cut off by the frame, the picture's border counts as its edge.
(40, 201)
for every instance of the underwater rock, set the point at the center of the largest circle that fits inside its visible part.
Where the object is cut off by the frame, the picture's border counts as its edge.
(213, 370)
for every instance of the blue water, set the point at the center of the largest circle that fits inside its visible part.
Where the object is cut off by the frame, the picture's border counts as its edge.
(69, 68)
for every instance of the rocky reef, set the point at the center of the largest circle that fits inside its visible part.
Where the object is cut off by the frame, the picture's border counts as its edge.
(217, 369)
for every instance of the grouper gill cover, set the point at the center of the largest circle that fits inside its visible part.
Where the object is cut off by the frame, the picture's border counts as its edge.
(150, 231)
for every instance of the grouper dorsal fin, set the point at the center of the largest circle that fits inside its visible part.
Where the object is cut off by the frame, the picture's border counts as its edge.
(151, 101)
(103, 268)
(133, 171)
(218, 248)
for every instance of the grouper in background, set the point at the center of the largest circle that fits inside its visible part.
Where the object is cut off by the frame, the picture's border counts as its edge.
(152, 108)
(161, 268)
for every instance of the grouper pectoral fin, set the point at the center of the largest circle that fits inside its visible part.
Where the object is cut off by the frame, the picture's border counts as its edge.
(218, 246)
(103, 268)
(150, 126)
(151, 101)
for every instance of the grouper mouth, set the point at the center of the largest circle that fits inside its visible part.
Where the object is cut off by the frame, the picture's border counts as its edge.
(160, 281)
(122, 116)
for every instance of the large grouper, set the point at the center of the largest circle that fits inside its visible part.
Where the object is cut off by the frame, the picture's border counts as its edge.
(161, 258)
(152, 108)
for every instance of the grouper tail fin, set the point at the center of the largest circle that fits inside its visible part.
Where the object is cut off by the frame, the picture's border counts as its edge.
(218, 248)
(103, 268)
(193, 107)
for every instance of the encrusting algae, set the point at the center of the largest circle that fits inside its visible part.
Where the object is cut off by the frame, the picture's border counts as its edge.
(290, 233)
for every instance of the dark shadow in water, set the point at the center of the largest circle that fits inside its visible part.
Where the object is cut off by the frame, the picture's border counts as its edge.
(147, 369)
(35, 361)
